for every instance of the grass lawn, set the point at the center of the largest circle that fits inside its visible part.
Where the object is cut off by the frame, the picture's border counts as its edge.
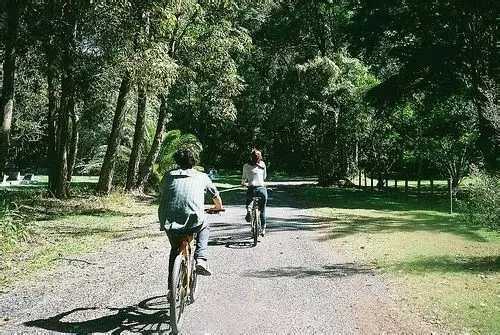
(49, 230)
(440, 266)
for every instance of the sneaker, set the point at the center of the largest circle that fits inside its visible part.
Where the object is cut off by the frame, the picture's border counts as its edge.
(248, 217)
(202, 267)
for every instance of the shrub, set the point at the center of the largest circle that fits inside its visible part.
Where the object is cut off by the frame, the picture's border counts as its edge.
(174, 140)
(481, 204)
(11, 229)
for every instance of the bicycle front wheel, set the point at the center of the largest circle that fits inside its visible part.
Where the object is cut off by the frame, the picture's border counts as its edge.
(194, 282)
(179, 293)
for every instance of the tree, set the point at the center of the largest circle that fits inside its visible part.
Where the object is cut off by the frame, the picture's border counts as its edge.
(436, 47)
(152, 156)
(13, 10)
(106, 174)
(453, 135)
(69, 17)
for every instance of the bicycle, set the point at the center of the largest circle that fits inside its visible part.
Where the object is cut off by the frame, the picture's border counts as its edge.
(184, 278)
(255, 220)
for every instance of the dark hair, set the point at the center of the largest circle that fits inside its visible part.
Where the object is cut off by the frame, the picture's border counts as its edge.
(255, 157)
(185, 158)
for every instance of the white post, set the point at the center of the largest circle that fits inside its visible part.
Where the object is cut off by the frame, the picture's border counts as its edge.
(451, 195)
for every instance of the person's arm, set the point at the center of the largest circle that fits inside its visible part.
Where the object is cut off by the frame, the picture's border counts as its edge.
(215, 194)
(265, 170)
(162, 212)
(217, 202)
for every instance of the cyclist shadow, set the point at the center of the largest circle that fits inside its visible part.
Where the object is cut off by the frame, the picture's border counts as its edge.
(234, 241)
(150, 316)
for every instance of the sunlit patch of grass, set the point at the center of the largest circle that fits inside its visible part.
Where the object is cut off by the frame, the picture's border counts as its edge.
(78, 225)
(440, 265)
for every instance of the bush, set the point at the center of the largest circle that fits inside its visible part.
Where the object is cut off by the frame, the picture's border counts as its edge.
(11, 229)
(481, 204)
(174, 140)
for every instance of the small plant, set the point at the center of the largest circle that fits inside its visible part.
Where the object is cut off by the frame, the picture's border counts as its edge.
(481, 204)
(12, 230)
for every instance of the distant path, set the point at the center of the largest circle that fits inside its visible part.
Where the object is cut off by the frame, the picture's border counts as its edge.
(291, 283)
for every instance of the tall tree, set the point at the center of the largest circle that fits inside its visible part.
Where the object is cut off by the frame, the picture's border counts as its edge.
(52, 74)
(13, 9)
(137, 145)
(146, 167)
(105, 182)
(70, 12)
(73, 144)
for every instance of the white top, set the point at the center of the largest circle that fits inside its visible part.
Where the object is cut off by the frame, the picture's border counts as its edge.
(254, 174)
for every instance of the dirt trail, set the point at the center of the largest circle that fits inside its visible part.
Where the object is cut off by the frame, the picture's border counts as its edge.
(293, 282)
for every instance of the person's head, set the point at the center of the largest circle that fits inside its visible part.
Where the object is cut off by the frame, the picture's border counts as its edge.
(186, 158)
(255, 157)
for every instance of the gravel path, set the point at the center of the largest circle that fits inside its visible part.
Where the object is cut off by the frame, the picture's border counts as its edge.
(293, 282)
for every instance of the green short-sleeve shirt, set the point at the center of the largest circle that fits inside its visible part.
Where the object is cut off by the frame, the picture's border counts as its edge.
(182, 200)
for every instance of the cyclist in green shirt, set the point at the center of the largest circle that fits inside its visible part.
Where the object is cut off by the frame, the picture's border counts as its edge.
(181, 209)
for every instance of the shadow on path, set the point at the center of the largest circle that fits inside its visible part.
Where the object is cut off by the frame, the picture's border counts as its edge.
(449, 264)
(327, 271)
(150, 316)
(240, 240)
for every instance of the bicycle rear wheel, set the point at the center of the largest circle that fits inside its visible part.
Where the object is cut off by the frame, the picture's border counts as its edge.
(178, 294)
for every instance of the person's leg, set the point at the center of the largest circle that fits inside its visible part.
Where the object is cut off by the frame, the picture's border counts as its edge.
(201, 252)
(262, 193)
(202, 242)
(249, 196)
(250, 192)
(174, 250)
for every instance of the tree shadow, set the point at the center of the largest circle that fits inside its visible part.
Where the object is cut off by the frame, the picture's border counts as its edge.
(55, 214)
(276, 197)
(311, 196)
(308, 196)
(449, 264)
(387, 212)
(300, 223)
(82, 231)
(401, 222)
(327, 271)
(150, 316)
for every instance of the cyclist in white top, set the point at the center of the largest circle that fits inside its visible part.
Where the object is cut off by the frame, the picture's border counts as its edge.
(254, 174)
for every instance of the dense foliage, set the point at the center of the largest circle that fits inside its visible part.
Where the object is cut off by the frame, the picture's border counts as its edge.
(322, 87)
(481, 205)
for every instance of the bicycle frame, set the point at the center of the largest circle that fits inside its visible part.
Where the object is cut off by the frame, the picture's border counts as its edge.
(255, 219)
(184, 278)
(186, 249)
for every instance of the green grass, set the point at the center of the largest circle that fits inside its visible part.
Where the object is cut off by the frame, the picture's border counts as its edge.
(56, 229)
(447, 269)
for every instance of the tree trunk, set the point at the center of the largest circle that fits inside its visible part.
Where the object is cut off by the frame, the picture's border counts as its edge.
(380, 181)
(9, 70)
(485, 97)
(73, 149)
(108, 165)
(61, 186)
(51, 117)
(135, 154)
(52, 89)
(146, 168)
